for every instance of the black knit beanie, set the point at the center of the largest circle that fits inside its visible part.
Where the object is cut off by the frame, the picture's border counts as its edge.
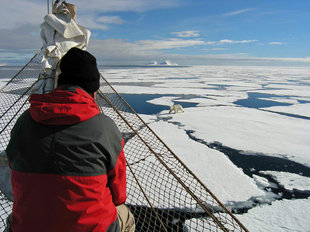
(79, 67)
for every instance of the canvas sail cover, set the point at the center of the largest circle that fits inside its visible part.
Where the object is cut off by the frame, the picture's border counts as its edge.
(59, 33)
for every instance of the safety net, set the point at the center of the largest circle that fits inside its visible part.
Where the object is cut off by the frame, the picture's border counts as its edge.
(163, 194)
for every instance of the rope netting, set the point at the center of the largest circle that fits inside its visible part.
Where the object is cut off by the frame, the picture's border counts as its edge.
(163, 194)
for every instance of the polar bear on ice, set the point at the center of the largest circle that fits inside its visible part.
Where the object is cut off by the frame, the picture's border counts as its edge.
(176, 108)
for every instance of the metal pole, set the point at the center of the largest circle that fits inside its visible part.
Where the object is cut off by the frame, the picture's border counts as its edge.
(48, 6)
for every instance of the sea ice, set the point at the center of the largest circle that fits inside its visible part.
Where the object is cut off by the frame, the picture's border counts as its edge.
(261, 181)
(250, 130)
(212, 167)
(280, 216)
(301, 91)
(298, 109)
(3, 82)
(165, 101)
(217, 119)
(290, 181)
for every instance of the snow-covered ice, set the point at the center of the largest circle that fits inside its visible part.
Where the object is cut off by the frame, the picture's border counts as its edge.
(217, 118)
(261, 181)
(208, 163)
(3, 81)
(290, 181)
(298, 109)
(280, 216)
(275, 131)
(250, 130)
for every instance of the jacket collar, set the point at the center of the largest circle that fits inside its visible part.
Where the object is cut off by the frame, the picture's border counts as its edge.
(63, 106)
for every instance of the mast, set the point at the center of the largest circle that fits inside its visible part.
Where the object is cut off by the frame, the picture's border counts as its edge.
(48, 6)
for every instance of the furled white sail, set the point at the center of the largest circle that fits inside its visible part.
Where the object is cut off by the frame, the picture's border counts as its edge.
(59, 33)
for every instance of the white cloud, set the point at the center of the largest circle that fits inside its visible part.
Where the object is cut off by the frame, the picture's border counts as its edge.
(19, 12)
(124, 5)
(238, 12)
(186, 34)
(140, 52)
(287, 59)
(237, 59)
(89, 21)
(117, 51)
(211, 43)
(228, 41)
(110, 20)
(119, 47)
(23, 37)
(167, 44)
(213, 49)
(276, 43)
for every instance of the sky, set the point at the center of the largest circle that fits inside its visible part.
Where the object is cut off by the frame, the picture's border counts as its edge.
(187, 32)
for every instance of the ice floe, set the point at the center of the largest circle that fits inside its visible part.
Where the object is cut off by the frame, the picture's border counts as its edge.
(290, 181)
(212, 167)
(298, 109)
(280, 216)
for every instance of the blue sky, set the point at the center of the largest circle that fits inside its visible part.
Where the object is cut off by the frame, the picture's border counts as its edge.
(245, 32)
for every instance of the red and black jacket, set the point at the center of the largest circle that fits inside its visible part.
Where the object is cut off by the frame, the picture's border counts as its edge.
(68, 165)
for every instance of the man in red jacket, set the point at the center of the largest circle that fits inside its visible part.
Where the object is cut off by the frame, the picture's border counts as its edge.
(67, 159)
